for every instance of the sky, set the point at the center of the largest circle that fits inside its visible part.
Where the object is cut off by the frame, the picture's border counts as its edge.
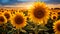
(8, 2)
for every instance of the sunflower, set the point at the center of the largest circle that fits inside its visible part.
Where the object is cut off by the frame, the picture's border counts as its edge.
(13, 12)
(0, 13)
(39, 13)
(18, 20)
(59, 13)
(56, 27)
(2, 19)
(7, 15)
(54, 16)
(54, 11)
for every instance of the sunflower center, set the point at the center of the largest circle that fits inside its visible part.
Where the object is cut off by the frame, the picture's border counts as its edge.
(19, 19)
(54, 17)
(58, 27)
(7, 15)
(1, 19)
(59, 13)
(39, 13)
(2, 11)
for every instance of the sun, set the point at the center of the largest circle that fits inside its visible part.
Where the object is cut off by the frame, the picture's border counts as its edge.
(39, 13)
(56, 26)
(18, 20)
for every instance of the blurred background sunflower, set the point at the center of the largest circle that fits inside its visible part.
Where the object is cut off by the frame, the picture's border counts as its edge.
(3, 20)
(54, 16)
(59, 13)
(7, 15)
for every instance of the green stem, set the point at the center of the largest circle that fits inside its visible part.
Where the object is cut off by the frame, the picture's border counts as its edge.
(36, 29)
(36, 32)
(18, 31)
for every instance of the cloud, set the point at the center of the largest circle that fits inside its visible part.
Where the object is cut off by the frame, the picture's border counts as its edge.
(6, 2)
(53, 1)
(9, 2)
(26, 0)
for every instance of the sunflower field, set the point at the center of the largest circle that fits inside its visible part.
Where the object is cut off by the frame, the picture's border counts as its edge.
(37, 19)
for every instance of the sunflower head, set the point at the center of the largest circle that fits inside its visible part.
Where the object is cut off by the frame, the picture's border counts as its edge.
(56, 26)
(3, 19)
(18, 20)
(13, 12)
(59, 13)
(54, 16)
(7, 15)
(2, 11)
(38, 12)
